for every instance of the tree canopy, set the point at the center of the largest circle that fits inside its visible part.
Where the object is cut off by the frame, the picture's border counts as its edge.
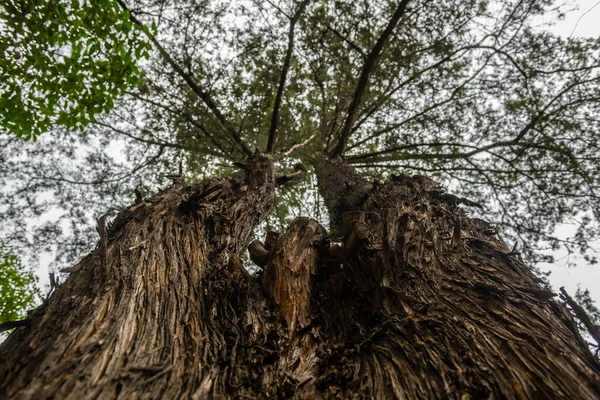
(477, 94)
(64, 62)
(18, 290)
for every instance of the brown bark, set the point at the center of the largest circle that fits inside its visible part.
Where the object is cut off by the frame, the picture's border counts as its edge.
(343, 189)
(171, 314)
(439, 308)
(418, 301)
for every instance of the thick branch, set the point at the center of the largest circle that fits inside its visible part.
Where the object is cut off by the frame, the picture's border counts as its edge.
(202, 95)
(447, 156)
(594, 330)
(283, 77)
(364, 78)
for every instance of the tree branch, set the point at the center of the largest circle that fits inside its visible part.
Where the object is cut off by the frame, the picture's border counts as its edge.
(447, 156)
(179, 112)
(594, 330)
(8, 325)
(283, 77)
(348, 41)
(202, 95)
(364, 78)
(386, 96)
(516, 141)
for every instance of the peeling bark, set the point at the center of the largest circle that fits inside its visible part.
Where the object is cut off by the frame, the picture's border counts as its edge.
(288, 275)
(418, 301)
(164, 313)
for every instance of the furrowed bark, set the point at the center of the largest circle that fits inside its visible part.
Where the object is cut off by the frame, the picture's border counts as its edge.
(421, 302)
(170, 314)
(417, 301)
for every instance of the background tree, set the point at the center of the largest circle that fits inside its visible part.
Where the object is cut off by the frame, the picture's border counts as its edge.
(468, 89)
(18, 289)
(64, 62)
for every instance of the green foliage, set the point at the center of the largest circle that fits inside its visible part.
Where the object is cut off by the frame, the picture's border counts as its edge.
(476, 94)
(18, 289)
(64, 62)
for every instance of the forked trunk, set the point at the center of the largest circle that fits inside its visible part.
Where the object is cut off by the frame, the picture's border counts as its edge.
(418, 301)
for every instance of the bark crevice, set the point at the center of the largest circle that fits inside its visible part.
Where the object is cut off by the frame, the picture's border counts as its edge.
(418, 301)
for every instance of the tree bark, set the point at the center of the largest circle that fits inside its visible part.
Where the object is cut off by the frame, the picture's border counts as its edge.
(170, 313)
(418, 301)
(440, 307)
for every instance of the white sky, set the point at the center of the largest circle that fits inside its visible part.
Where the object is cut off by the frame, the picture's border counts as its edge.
(584, 22)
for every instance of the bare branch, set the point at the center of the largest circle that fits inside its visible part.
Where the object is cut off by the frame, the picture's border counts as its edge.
(594, 330)
(364, 78)
(8, 325)
(202, 95)
(283, 77)
(294, 147)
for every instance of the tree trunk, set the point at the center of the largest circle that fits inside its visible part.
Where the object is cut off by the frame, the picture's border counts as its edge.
(163, 308)
(439, 306)
(418, 301)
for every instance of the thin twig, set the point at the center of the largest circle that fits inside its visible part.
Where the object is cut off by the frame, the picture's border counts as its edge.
(283, 77)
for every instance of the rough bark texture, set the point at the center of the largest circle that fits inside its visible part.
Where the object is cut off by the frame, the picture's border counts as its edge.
(343, 189)
(441, 308)
(418, 301)
(169, 315)
(288, 275)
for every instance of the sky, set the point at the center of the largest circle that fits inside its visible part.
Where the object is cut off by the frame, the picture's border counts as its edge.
(584, 22)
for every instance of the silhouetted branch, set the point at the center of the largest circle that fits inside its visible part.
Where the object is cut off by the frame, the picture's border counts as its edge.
(179, 112)
(594, 330)
(8, 325)
(204, 96)
(283, 77)
(516, 141)
(361, 86)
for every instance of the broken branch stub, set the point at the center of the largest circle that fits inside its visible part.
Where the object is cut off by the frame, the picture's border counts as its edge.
(287, 277)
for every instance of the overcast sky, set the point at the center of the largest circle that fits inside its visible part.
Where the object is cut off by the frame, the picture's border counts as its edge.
(584, 22)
